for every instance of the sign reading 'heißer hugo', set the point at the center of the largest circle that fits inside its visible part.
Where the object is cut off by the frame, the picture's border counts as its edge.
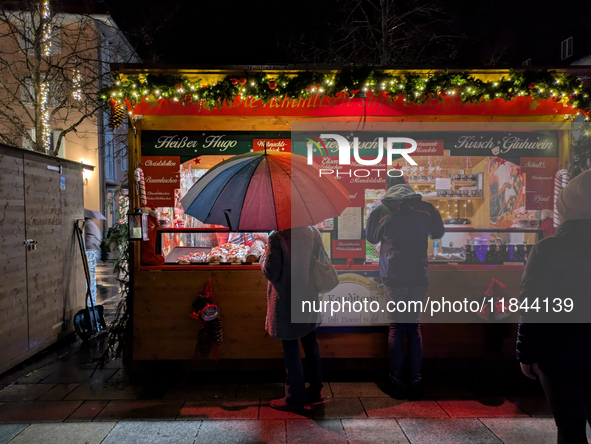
(161, 174)
(190, 144)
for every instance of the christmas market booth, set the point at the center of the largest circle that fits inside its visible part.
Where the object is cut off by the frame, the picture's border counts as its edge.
(494, 147)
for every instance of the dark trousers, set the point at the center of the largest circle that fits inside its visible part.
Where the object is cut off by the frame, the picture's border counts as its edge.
(295, 388)
(396, 353)
(569, 397)
(402, 323)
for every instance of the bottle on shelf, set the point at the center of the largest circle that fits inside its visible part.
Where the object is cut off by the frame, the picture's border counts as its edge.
(436, 245)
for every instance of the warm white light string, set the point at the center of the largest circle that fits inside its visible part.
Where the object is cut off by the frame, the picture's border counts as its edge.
(77, 85)
(46, 135)
(46, 18)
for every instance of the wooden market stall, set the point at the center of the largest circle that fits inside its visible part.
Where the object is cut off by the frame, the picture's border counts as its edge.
(203, 116)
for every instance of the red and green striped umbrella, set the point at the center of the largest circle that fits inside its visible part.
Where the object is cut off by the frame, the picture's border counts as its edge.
(265, 191)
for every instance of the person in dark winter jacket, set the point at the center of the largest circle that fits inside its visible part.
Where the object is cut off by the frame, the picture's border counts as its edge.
(283, 265)
(559, 267)
(403, 224)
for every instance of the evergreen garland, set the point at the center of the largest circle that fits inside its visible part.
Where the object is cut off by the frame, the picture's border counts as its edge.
(415, 88)
(412, 87)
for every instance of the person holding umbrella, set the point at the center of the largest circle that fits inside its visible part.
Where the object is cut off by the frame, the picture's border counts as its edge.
(92, 233)
(288, 258)
(92, 240)
(262, 191)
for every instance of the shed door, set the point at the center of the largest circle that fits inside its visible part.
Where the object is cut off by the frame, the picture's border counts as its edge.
(14, 334)
(43, 222)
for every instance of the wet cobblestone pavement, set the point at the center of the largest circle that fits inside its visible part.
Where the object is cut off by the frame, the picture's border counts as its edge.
(60, 397)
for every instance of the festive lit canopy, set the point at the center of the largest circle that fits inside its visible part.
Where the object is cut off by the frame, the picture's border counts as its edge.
(415, 88)
(484, 92)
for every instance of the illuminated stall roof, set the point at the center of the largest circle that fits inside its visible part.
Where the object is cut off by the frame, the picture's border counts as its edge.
(375, 93)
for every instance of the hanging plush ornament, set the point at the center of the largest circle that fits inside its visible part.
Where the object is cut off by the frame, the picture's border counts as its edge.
(211, 333)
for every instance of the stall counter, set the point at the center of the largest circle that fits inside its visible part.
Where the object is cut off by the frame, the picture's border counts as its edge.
(163, 329)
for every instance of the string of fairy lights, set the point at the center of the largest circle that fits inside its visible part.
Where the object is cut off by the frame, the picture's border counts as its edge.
(451, 208)
(77, 85)
(45, 116)
(44, 87)
(410, 87)
(131, 90)
(46, 28)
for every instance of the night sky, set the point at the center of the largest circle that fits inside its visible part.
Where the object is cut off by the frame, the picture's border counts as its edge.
(231, 32)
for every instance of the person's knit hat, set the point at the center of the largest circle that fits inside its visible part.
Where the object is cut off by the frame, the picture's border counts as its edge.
(574, 201)
(397, 180)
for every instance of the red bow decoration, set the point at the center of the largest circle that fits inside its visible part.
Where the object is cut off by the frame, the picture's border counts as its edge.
(499, 309)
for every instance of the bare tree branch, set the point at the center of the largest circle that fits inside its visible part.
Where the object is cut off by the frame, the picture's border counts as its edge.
(381, 32)
(51, 69)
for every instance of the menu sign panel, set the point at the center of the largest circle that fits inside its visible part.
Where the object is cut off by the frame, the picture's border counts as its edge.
(278, 145)
(162, 178)
(539, 177)
(344, 249)
(429, 148)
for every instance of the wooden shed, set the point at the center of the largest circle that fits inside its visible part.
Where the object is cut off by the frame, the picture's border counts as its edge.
(42, 284)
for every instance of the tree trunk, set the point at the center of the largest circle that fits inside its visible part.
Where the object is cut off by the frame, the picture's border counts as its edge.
(384, 19)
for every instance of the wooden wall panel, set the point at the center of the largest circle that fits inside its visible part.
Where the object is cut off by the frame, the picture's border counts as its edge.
(43, 220)
(13, 276)
(163, 329)
(72, 273)
(38, 288)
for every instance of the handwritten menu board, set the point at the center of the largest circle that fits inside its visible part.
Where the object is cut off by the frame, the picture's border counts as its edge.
(162, 178)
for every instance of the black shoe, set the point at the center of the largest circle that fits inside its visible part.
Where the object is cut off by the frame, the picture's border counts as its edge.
(416, 391)
(315, 396)
(394, 390)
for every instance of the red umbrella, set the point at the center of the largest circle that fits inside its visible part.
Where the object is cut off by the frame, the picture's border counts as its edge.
(265, 191)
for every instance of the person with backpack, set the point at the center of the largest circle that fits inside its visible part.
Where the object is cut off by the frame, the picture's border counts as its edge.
(402, 224)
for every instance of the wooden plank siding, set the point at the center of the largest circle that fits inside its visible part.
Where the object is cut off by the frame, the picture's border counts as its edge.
(41, 289)
(43, 221)
(164, 330)
(72, 272)
(14, 335)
